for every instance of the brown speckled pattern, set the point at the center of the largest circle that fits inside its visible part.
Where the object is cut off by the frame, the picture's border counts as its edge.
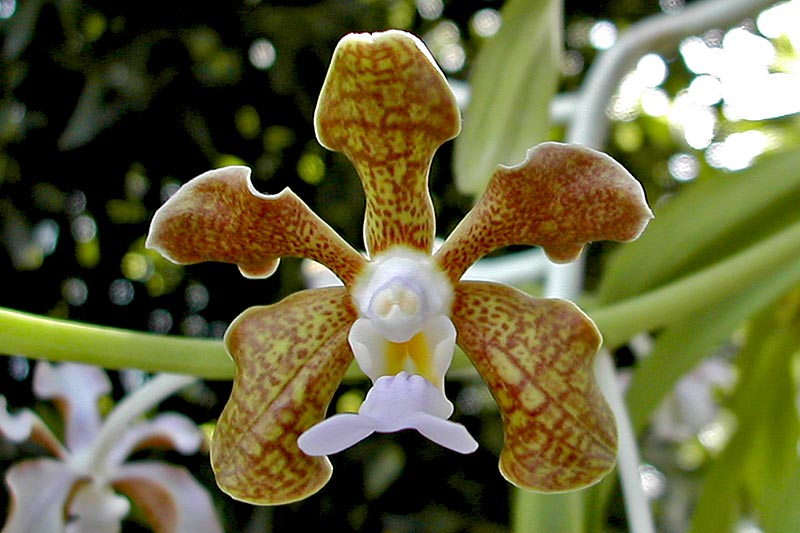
(536, 355)
(216, 217)
(290, 358)
(562, 197)
(387, 107)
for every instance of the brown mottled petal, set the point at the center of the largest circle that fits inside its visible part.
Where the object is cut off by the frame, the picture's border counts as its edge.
(219, 216)
(386, 105)
(536, 357)
(560, 197)
(290, 358)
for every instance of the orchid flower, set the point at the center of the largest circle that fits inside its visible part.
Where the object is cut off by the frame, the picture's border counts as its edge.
(80, 490)
(386, 105)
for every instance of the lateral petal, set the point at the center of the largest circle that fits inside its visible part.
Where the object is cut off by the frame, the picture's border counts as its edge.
(76, 389)
(561, 197)
(290, 358)
(170, 497)
(536, 357)
(39, 491)
(386, 105)
(24, 425)
(219, 216)
(171, 431)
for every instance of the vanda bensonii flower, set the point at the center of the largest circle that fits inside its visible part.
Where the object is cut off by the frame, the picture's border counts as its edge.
(386, 105)
(80, 489)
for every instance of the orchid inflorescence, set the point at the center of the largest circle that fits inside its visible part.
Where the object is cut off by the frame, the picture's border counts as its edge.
(386, 105)
(90, 482)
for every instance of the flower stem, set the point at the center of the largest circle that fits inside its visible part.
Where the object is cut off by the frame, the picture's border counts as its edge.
(637, 507)
(62, 340)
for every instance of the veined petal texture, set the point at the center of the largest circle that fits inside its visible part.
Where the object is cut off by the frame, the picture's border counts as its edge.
(219, 216)
(561, 197)
(386, 105)
(536, 355)
(290, 358)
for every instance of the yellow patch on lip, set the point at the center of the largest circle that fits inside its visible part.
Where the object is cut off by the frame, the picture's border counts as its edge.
(416, 350)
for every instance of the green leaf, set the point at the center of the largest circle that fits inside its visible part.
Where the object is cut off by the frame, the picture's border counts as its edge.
(707, 221)
(755, 468)
(683, 345)
(784, 515)
(515, 77)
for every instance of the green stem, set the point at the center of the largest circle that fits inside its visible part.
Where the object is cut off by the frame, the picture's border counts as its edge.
(62, 340)
(535, 512)
(689, 295)
(640, 518)
(52, 339)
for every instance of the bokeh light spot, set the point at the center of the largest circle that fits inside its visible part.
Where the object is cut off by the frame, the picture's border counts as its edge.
(248, 122)
(671, 6)
(121, 292)
(262, 54)
(136, 266)
(683, 167)
(159, 321)
(486, 22)
(651, 70)
(19, 368)
(7, 8)
(311, 168)
(430, 9)
(84, 228)
(75, 291)
(194, 326)
(196, 296)
(603, 34)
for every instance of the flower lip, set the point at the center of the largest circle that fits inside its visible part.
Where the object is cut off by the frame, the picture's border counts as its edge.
(394, 399)
(402, 401)
(400, 290)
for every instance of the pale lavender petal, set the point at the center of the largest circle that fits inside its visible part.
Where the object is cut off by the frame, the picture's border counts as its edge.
(167, 430)
(335, 434)
(170, 497)
(96, 509)
(394, 403)
(393, 399)
(25, 425)
(16, 427)
(39, 490)
(76, 388)
(443, 432)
